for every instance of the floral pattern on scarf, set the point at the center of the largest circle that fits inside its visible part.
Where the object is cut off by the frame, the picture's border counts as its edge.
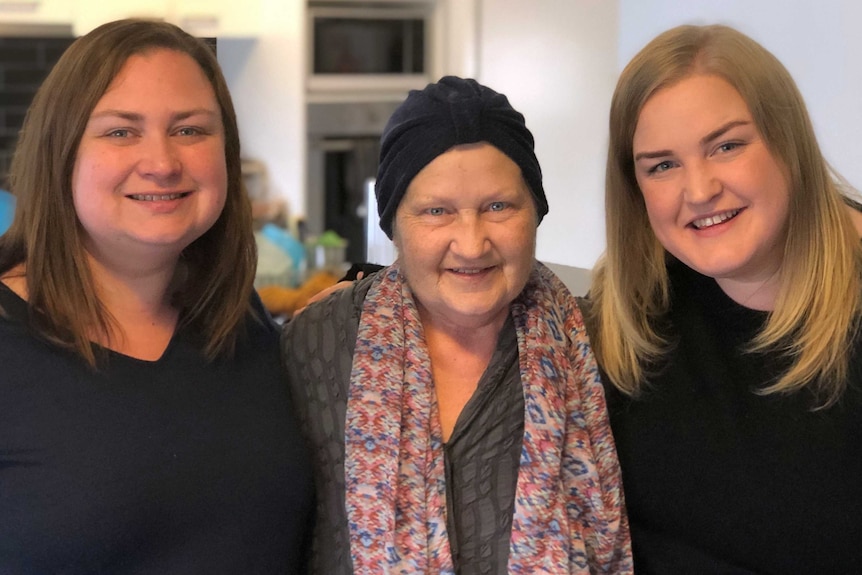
(569, 515)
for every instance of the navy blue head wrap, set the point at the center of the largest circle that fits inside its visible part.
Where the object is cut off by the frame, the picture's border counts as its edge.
(451, 112)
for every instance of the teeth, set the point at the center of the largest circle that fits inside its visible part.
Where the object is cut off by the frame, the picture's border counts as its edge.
(155, 197)
(469, 271)
(711, 221)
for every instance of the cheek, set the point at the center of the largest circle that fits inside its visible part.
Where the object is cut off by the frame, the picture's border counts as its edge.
(779, 182)
(418, 261)
(649, 197)
(525, 239)
(95, 172)
(661, 219)
(210, 166)
(83, 183)
(521, 245)
(209, 171)
(518, 242)
(407, 244)
(661, 208)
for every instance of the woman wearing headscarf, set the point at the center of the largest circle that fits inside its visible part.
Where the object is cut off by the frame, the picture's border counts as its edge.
(452, 402)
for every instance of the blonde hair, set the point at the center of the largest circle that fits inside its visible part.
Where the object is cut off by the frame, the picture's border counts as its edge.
(816, 312)
(45, 233)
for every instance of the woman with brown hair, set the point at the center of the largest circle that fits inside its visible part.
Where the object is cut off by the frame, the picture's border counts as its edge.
(145, 427)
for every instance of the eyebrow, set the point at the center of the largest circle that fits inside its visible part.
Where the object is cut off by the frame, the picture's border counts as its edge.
(713, 135)
(135, 117)
(717, 133)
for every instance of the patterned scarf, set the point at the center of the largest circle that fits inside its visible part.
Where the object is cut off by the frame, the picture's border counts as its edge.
(569, 514)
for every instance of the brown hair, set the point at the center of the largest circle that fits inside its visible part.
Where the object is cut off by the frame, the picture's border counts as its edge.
(818, 305)
(45, 234)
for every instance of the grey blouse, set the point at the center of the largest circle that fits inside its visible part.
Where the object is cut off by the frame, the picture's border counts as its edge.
(481, 457)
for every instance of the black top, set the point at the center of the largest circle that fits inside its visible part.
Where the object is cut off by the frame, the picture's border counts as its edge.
(719, 479)
(171, 466)
(481, 457)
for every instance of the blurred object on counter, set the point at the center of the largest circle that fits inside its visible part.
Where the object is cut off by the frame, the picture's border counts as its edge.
(7, 210)
(288, 243)
(285, 301)
(255, 179)
(264, 208)
(265, 212)
(326, 253)
(274, 265)
(355, 273)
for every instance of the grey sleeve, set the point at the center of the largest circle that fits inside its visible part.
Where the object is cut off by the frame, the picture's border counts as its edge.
(317, 354)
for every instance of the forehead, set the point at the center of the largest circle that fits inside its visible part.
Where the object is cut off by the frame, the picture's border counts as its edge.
(692, 106)
(479, 166)
(159, 76)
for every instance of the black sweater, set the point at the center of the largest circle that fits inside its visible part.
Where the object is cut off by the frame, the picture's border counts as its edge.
(719, 479)
(171, 466)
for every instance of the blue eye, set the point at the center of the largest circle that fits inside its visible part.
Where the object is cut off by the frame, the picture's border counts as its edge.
(119, 133)
(497, 206)
(729, 146)
(188, 131)
(661, 167)
(435, 211)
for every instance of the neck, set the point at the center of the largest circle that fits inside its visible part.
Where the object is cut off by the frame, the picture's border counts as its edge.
(139, 288)
(459, 355)
(759, 294)
(138, 299)
(468, 335)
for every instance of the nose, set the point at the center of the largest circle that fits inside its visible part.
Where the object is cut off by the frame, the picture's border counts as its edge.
(471, 238)
(159, 160)
(701, 184)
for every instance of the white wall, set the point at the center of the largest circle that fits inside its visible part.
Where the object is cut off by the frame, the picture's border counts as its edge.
(266, 76)
(819, 42)
(556, 61)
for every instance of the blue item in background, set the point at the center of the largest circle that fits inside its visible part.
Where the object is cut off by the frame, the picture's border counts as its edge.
(284, 240)
(7, 210)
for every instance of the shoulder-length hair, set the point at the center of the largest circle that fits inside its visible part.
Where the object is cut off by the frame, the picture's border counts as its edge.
(46, 236)
(817, 308)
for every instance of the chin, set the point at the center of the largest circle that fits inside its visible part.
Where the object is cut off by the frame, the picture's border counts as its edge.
(480, 315)
(719, 270)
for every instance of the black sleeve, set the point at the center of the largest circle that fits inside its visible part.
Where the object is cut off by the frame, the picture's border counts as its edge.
(366, 269)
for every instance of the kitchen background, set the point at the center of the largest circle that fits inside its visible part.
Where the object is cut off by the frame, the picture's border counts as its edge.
(557, 60)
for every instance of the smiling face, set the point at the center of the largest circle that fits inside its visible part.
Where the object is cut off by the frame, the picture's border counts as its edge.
(150, 174)
(466, 235)
(716, 197)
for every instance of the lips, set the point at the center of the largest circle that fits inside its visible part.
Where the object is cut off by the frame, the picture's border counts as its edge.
(157, 197)
(704, 223)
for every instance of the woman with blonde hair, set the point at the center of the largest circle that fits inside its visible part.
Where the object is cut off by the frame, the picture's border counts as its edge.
(725, 313)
